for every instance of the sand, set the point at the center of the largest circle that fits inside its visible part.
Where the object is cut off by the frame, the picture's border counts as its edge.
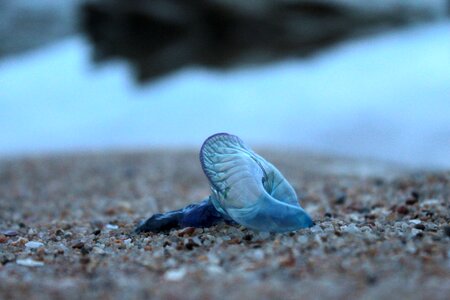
(66, 231)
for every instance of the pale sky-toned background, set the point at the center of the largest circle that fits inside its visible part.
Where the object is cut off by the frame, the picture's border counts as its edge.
(385, 96)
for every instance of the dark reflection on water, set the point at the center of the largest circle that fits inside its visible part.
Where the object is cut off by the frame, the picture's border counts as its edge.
(158, 37)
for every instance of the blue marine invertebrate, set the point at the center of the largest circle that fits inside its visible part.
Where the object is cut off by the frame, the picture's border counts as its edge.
(245, 188)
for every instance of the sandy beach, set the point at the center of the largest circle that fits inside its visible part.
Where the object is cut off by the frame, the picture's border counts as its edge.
(66, 231)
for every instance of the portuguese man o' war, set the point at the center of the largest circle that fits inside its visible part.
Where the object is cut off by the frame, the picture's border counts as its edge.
(245, 189)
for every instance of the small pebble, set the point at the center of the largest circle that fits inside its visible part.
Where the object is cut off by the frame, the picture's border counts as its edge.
(416, 232)
(234, 241)
(247, 237)
(85, 251)
(10, 233)
(350, 228)
(411, 201)
(128, 243)
(28, 262)
(175, 275)
(186, 231)
(430, 202)
(402, 210)
(191, 244)
(287, 261)
(419, 226)
(415, 221)
(34, 245)
(20, 242)
(316, 229)
(340, 199)
(258, 254)
(3, 239)
(78, 245)
(111, 227)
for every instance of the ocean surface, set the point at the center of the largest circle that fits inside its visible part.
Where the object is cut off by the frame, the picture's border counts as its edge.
(385, 97)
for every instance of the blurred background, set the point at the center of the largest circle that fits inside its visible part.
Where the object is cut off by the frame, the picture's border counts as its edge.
(366, 79)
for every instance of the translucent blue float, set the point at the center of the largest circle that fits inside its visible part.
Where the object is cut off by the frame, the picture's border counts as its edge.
(245, 188)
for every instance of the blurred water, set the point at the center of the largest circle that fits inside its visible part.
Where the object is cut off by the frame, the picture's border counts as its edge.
(385, 97)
